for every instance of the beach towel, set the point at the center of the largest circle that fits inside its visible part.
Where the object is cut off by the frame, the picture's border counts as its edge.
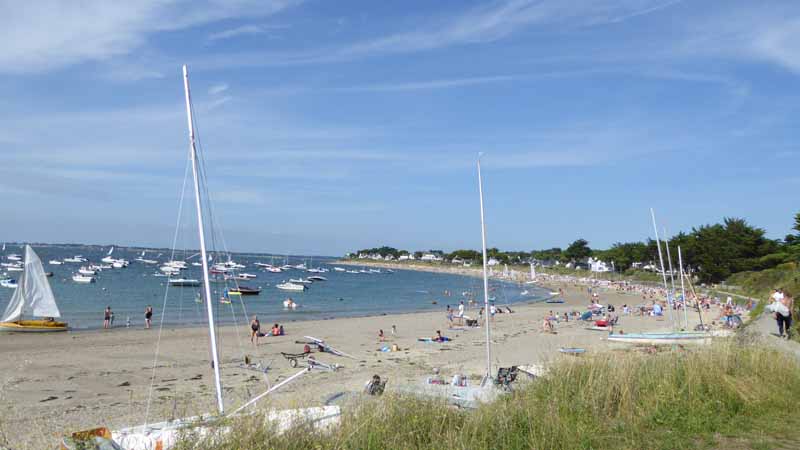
(778, 307)
(430, 340)
(586, 316)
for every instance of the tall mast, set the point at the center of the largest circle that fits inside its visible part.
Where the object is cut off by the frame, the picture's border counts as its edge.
(683, 290)
(671, 276)
(661, 259)
(486, 314)
(201, 232)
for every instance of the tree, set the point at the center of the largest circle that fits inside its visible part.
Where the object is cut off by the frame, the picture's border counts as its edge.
(578, 250)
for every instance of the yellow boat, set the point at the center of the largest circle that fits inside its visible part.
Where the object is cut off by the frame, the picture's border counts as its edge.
(34, 326)
(33, 298)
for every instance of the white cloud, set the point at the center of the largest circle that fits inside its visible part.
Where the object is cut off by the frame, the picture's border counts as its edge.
(429, 84)
(49, 34)
(218, 88)
(486, 23)
(768, 34)
(244, 30)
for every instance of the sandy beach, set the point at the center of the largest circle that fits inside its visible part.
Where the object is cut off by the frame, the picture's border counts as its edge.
(59, 383)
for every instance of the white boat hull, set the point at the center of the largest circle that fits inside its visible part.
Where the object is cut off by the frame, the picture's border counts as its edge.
(165, 435)
(692, 338)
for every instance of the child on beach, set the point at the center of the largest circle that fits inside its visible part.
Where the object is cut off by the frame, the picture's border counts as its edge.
(107, 318)
(148, 315)
(381, 337)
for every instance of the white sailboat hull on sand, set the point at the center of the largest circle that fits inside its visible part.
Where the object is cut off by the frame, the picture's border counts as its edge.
(165, 435)
(682, 338)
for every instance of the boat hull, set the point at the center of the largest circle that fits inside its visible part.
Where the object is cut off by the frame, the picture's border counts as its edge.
(33, 326)
(663, 338)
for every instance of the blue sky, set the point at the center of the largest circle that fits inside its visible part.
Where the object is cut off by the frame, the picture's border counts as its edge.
(330, 126)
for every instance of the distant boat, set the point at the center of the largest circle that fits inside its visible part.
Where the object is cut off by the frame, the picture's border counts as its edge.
(83, 279)
(184, 282)
(317, 278)
(299, 281)
(55, 262)
(244, 290)
(87, 271)
(33, 298)
(8, 283)
(76, 259)
(15, 268)
(339, 269)
(14, 257)
(291, 287)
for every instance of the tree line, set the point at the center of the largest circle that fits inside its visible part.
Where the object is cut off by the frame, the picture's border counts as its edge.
(712, 252)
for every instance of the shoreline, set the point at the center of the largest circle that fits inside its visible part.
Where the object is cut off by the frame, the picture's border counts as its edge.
(120, 324)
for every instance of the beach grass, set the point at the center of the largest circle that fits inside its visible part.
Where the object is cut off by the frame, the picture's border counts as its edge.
(732, 394)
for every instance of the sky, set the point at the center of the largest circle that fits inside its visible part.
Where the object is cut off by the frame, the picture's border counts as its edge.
(332, 126)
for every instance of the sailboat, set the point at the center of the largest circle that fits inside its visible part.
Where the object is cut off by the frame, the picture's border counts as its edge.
(670, 337)
(165, 435)
(458, 392)
(33, 298)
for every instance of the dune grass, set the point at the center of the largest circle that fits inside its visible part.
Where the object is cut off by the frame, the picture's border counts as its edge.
(733, 392)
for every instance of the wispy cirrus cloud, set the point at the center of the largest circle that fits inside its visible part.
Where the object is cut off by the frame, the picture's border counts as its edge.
(429, 84)
(48, 34)
(244, 30)
(218, 88)
(488, 22)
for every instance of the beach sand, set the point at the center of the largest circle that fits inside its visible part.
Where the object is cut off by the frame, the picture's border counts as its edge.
(57, 383)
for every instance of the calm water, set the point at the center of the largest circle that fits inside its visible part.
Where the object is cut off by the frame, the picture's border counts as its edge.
(130, 289)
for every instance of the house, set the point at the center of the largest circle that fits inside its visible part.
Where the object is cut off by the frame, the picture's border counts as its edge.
(406, 258)
(388, 258)
(457, 260)
(430, 257)
(596, 265)
(493, 262)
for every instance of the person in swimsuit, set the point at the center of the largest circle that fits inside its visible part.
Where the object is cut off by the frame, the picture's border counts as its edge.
(107, 318)
(255, 327)
(148, 315)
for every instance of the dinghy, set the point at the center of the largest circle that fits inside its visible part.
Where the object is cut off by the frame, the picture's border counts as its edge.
(33, 298)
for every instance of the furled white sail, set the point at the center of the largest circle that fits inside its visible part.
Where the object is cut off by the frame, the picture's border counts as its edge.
(33, 297)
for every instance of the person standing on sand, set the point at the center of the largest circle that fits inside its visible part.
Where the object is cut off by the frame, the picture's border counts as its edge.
(255, 327)
(461, 312)
(148, 315)
(107, 318)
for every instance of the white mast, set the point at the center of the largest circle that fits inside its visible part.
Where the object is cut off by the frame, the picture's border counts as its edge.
(486, 314)
(661, 259)
(671, 276)
(683, 290)
(211, 331)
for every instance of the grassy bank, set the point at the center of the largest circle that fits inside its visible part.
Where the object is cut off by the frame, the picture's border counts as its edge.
(760, 284)
(723, 396)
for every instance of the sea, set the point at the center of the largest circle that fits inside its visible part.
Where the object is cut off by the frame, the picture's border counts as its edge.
(128, 291)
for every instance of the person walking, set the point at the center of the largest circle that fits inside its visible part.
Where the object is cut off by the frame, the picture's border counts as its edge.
(784, 316)
(255, 329)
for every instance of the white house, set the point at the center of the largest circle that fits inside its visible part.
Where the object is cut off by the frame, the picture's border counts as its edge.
(596, 265)
(492, 262)
(430, 257)
(405, 258)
